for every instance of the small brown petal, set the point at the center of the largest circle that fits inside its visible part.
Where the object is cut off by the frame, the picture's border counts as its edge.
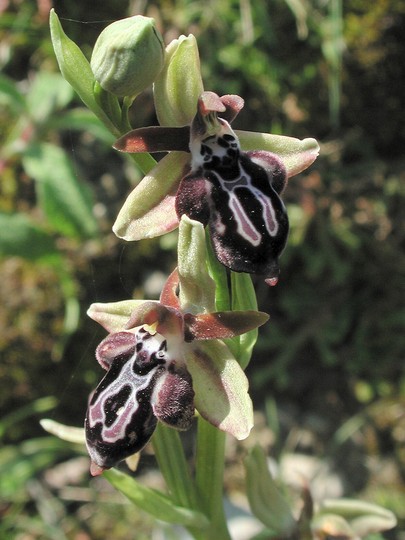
(169, 295)
(155, 139)
(210, 102)
(234, 104)
(222, 324)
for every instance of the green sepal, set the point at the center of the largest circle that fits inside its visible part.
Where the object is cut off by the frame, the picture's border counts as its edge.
(221, 388)
(113, 316)
(296, 154)
(149, 209)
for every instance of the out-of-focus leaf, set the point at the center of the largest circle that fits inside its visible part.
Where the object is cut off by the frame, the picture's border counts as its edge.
(66, 202)
(19, 463)
(10, 95)
(48, 93)
(363, 517)
(332, 526)
(265, 499)
(39, 406)
(19, 237)
(154, 502)
(81, 119)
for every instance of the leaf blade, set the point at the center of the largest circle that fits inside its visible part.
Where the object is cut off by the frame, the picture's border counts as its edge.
(152, 501)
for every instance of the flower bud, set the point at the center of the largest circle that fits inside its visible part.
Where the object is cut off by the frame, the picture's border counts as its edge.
(128, 56)
(179, 85)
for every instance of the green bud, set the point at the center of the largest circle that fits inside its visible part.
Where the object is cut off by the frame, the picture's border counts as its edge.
(179, 85)
(128, 56)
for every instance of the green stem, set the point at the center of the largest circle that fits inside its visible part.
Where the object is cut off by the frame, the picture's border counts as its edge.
(210, 464)
(144, 161)
(219, 275)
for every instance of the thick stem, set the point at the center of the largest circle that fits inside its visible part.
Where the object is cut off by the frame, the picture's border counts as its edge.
(210, 464)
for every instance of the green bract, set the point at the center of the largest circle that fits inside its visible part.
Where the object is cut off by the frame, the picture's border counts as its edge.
(179, 85)
(128, 56)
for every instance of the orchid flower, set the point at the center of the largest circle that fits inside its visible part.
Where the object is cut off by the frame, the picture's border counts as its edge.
(164, 358)
(236, 193)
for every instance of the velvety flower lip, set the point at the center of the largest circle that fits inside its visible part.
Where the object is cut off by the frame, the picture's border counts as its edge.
(159, 369)
(235, 192)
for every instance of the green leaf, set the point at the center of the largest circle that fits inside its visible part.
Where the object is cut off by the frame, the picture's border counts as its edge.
(39, 406)
(20, 463)
(21, 238)
(265, 499)
(76, 70)
(81, 119)
(152, 501)
(66, 202)
(48, 93)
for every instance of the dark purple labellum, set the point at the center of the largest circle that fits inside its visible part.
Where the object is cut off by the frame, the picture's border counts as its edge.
(139, 388)
(237, 196)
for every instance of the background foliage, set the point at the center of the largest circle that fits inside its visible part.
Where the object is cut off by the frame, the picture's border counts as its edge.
(332, 356)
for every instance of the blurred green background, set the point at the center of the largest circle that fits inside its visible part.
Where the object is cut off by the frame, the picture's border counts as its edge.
(327, 374)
